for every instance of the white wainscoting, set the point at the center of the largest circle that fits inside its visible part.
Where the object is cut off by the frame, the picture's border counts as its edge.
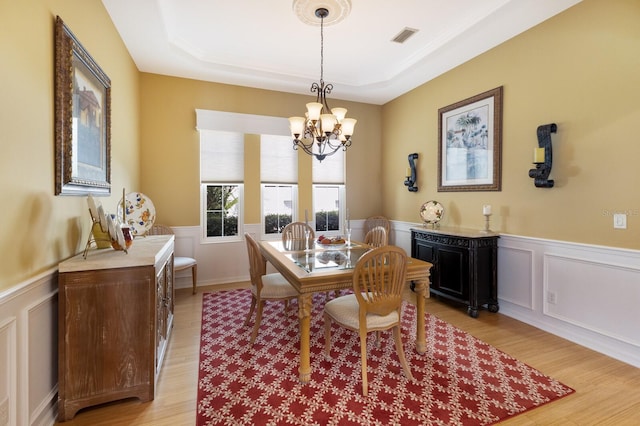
(587, 294)
(583, 293)
(29, 351)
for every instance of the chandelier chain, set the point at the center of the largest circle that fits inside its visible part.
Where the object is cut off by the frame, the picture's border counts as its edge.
(322, 49)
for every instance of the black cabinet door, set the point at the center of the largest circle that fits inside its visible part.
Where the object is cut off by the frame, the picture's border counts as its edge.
(453, 264)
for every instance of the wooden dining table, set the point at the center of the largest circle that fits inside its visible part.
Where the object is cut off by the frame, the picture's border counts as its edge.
(327, 269)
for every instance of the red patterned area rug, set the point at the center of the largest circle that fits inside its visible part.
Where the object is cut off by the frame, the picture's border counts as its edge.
(460, 380)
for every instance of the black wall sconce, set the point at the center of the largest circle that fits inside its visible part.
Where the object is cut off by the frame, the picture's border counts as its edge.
(410, 183)
(543, 157)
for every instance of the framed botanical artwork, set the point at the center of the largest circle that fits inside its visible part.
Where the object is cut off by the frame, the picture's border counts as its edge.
(82, 119)
(470, 144)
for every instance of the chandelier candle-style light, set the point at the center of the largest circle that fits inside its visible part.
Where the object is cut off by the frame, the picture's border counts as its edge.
(323, 128)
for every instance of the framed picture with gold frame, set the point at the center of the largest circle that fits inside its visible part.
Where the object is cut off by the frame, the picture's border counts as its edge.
(82, 119)
(470, 144)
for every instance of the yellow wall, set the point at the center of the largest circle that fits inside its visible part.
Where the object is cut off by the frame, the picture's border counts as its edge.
(170, 146)
(38, 229)
(580, 70)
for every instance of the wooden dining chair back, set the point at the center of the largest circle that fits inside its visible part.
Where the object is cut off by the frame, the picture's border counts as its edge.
(293, 236)
(376, 237)
(373, 221)
(180, 263)
(264, 287)
(375, 305)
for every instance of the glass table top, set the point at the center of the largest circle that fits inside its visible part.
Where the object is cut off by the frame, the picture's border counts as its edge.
(323, 259)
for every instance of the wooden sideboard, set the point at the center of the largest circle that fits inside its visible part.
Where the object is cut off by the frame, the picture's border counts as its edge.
(465, 264)
(115, 316)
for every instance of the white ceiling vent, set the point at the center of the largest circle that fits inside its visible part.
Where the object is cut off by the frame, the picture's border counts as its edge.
(404, 35)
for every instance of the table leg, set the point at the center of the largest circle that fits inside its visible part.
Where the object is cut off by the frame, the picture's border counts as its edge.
(421, 292)
(304, 315)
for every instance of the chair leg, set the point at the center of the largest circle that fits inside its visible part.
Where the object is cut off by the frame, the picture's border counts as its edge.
(327, 334)
(397, 336)
(363, 362)
(194, 276)
(251, 308)
(256, 326)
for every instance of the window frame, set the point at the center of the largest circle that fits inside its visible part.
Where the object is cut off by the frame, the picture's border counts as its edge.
(203, 213)
(341, 208)
(294, 208)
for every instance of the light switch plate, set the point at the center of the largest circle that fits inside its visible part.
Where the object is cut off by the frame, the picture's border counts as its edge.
(620, 221)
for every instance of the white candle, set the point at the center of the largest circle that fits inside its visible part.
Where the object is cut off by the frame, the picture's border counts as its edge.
(538, 155)
(408, 172)
(306, 216)
(486, 209)
(348, 221)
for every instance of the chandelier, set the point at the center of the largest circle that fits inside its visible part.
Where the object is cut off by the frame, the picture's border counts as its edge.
(322, 131)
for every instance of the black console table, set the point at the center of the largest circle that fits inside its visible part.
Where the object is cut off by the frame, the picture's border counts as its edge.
(465, 265)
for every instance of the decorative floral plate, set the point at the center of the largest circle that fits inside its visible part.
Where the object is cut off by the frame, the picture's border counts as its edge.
(93, 208)
(141, 212)
(102, 218)
(431, 212)
(336, 243)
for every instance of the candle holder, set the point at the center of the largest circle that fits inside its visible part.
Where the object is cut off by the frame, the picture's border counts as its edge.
(307, 234)
(412, 178)
(487, 218)
(541, 173)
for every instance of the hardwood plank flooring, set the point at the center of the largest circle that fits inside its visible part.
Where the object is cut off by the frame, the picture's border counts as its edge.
(607, 390)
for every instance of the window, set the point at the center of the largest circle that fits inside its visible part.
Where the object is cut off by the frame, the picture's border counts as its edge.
(221, 183)
(222, 210)
(278, 202)
(278, 174)
(329, 193)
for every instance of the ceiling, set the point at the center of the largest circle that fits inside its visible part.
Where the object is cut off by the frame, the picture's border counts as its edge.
(264, 44)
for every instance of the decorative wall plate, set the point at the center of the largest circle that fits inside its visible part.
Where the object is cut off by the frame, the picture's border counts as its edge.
(141, 212)
(93, 208)
(102, 218)
(431, 212)
(111, 227)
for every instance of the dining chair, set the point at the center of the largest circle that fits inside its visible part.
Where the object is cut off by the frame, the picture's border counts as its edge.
(264, 287)
(293, 236)
(180, 263)
(373, 221)
(375, 304)
(376, 237)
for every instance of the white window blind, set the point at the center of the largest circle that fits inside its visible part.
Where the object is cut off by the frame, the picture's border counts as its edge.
(330, 170)
(278, 160)
(221, 156)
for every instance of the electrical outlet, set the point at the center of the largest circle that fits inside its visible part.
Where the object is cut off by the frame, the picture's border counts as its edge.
(552, 297)
(620, 221)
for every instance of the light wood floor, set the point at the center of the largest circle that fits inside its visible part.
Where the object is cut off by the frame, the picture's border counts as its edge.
(607, 391)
